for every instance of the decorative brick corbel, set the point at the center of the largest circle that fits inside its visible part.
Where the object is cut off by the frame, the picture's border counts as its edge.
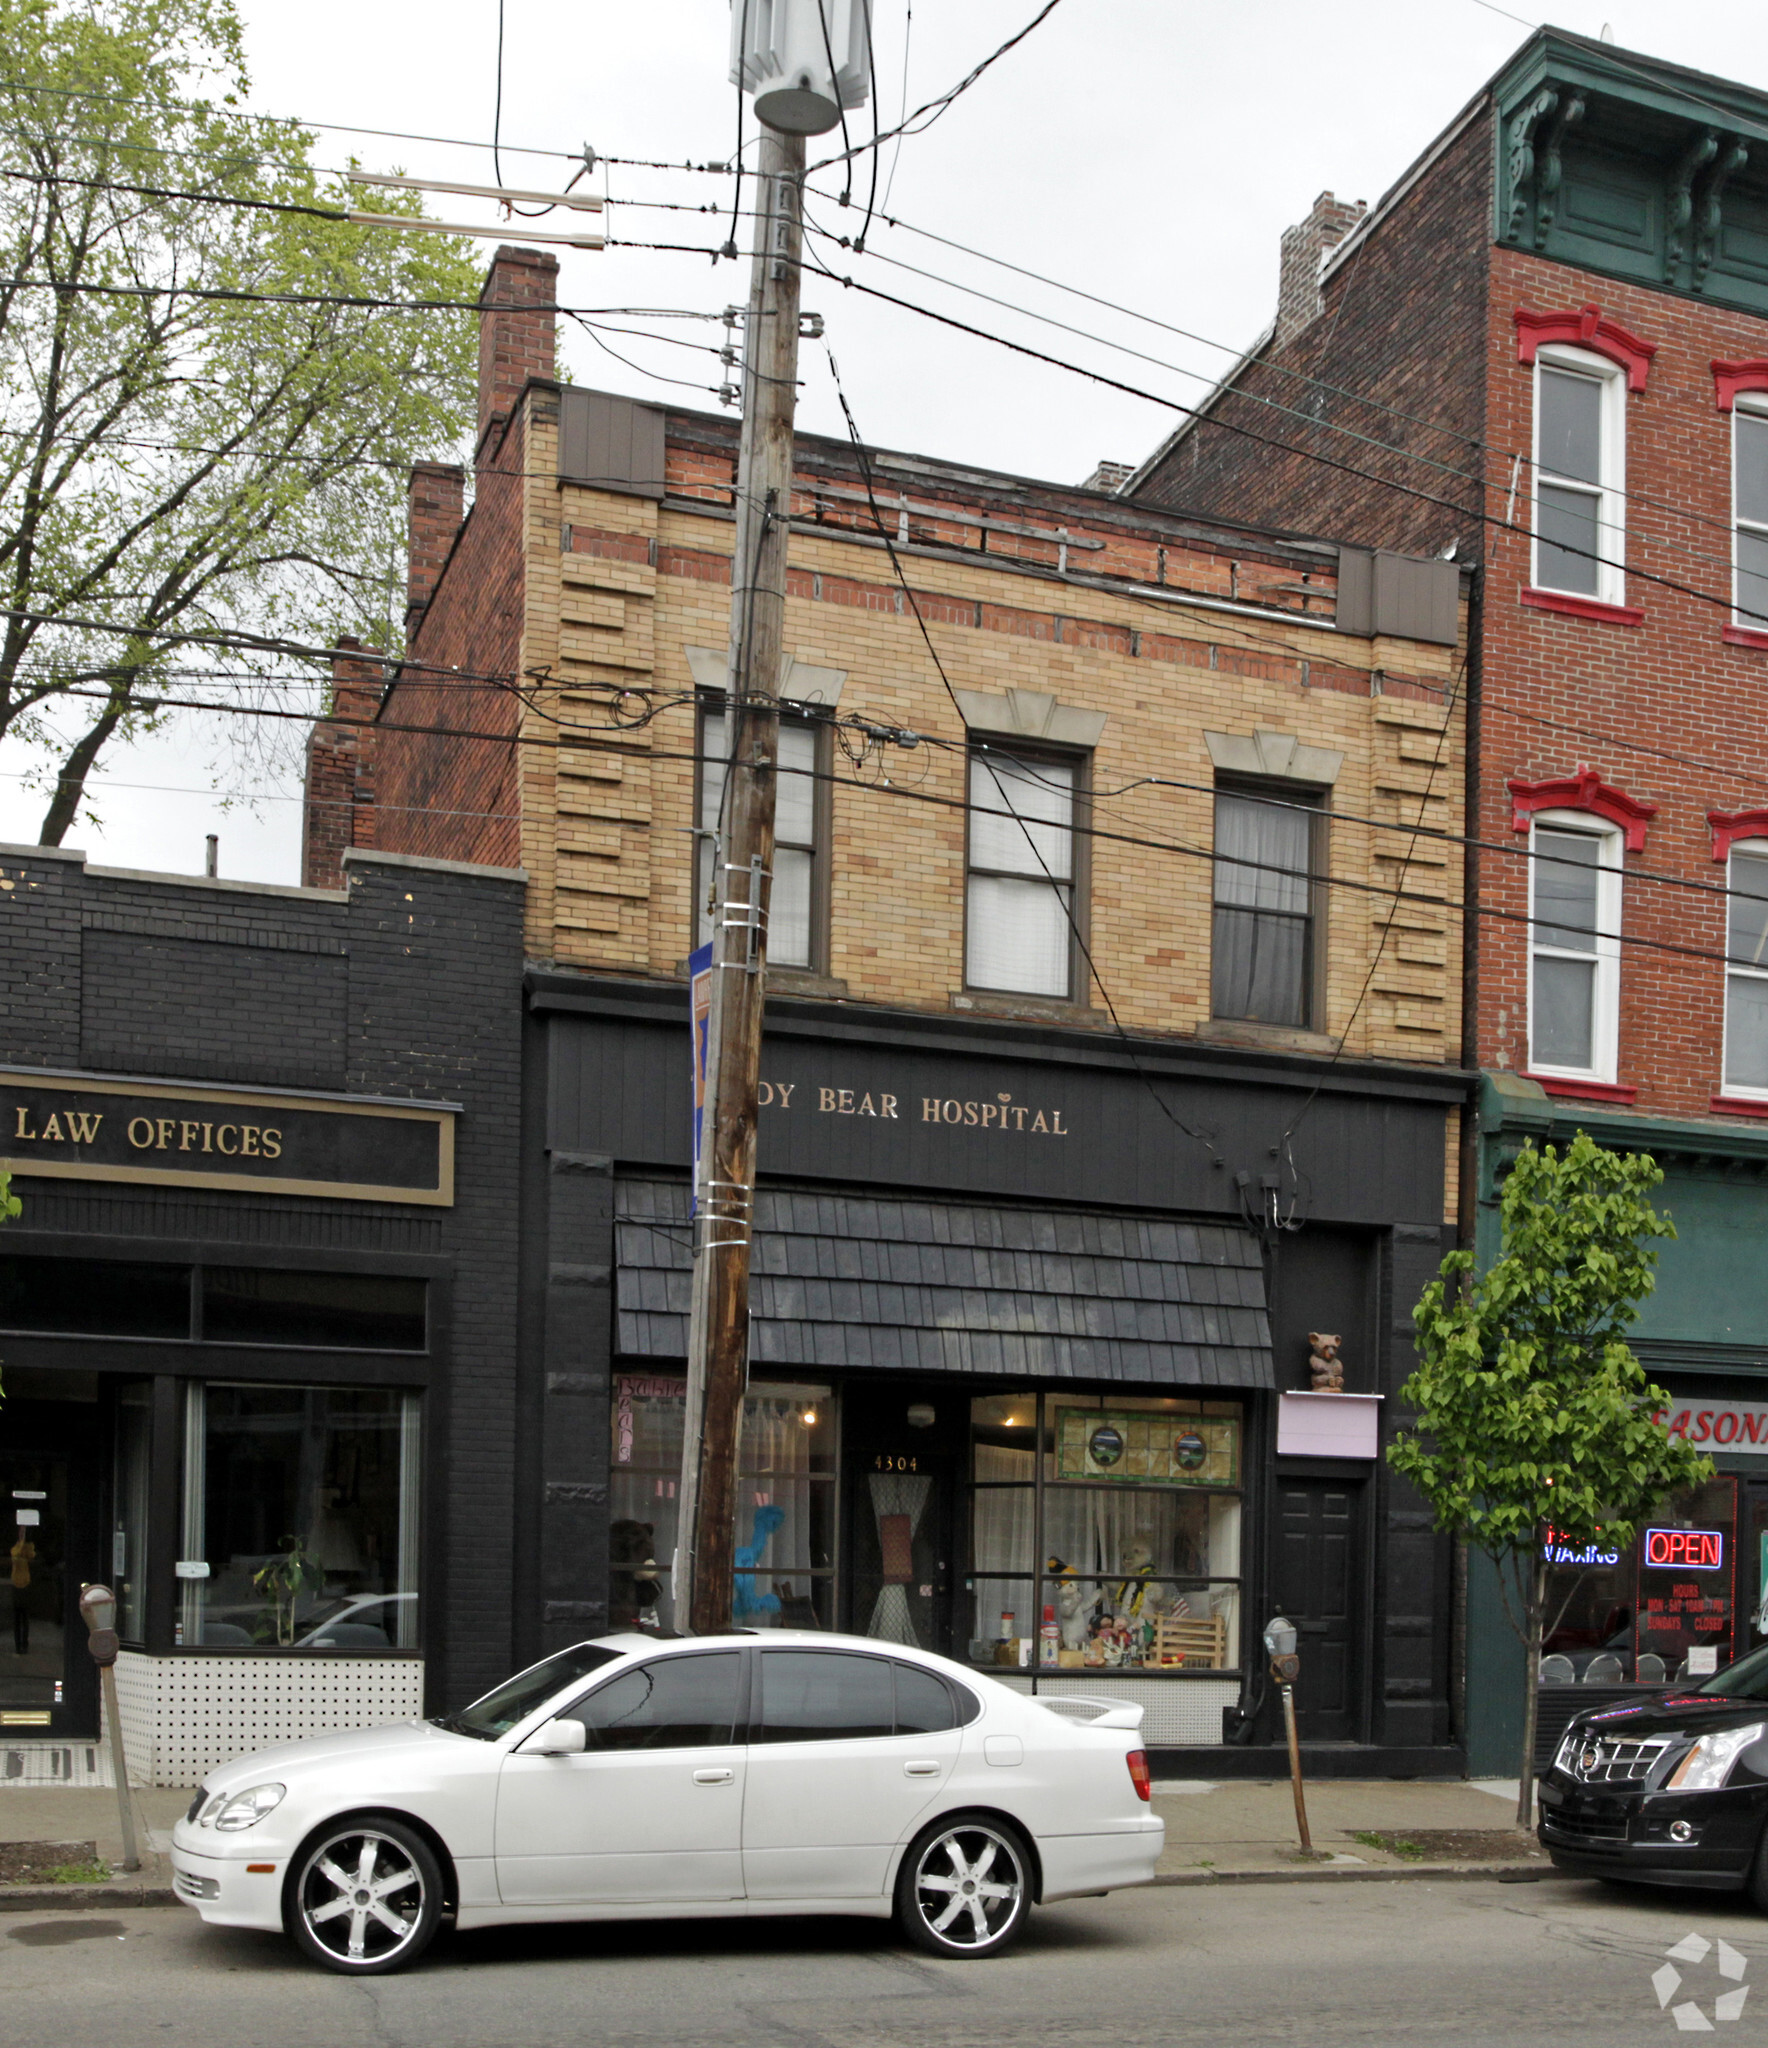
(1583, 791)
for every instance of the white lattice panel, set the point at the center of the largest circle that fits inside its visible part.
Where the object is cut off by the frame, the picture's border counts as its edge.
(184, 1715)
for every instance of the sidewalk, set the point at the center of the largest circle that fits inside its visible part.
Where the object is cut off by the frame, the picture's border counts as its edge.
(1245, 1830)
(1237, 1832)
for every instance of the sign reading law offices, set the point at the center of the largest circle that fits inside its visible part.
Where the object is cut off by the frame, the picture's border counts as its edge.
(77, 1127)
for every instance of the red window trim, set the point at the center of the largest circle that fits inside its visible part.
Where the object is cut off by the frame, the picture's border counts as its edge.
(1585, 328)
(1747, 373)
(1583, 791)
(1729, 826)
(1584, 1091)
(1745, 636)
(1575, 607)
(1738, 1105)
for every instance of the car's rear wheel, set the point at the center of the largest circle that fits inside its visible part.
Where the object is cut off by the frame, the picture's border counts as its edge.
(365, 1896)
(965, 1886)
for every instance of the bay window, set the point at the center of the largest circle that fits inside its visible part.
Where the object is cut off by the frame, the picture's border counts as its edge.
(1580, 475)
(1020, 909)
(1746, 970)
(1574, 946)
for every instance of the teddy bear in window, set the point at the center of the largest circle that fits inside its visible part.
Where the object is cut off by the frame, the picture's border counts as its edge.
(1324, 1363)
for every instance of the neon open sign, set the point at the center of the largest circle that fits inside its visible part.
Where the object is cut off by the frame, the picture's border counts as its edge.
(1692, 1550)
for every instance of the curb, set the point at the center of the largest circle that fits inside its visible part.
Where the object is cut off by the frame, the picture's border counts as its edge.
(64, 1898)
(1512, 1873)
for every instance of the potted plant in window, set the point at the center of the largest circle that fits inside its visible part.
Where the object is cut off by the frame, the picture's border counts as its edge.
(284, 1579)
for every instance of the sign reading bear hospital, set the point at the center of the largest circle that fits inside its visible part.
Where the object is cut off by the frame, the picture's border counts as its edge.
(78, 1127)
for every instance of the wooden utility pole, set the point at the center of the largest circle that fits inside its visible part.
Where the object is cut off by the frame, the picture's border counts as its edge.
(718, 1337)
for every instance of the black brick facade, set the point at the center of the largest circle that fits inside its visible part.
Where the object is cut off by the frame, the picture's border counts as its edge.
(403, 984)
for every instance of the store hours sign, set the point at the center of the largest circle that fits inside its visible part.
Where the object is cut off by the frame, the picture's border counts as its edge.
(82, 1127)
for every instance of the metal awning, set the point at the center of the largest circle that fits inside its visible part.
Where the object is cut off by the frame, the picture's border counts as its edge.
(878, 1283)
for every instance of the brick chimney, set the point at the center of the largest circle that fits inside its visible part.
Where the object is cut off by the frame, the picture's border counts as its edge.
(436, 496)
(1298, 289)
(515, 341)
(339, 807)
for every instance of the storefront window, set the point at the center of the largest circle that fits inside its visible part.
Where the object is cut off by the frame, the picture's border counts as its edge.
(300, 1518)
(785, 1574)
(128, 1559)
(1660, 1612)
(1123, 1550)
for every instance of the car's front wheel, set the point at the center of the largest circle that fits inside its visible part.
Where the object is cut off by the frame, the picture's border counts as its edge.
(965, 1886)
(365, 1896)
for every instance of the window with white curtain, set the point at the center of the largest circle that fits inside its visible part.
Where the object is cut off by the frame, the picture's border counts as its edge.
(1574, 946)
(1262, 953)
(1580, 474)
(792, 926)
(1746, 970)
(1749, 509)
(1020, 910)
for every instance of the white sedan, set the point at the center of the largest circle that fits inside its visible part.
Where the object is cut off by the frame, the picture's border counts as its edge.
(716, 1776)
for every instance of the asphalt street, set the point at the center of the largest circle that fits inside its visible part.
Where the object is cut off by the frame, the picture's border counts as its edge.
(1438, 1963)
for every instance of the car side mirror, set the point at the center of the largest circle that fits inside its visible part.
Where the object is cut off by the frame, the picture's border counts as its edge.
(557, 1738)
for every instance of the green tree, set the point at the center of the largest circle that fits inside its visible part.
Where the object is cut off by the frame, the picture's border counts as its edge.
(1532, 1413)
(180, 464)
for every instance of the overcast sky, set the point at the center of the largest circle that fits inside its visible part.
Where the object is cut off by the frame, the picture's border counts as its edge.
(1147, 151)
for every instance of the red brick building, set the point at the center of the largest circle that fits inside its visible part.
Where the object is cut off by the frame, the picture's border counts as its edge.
(1545, 351)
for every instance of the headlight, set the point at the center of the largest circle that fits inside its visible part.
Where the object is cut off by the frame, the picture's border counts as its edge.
(1708, 1764)
(246, 1809)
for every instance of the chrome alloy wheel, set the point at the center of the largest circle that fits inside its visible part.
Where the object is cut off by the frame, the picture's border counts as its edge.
(969, 1887)
(361, 1899)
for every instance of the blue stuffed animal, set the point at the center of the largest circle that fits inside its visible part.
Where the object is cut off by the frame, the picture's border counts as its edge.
(745, 1599)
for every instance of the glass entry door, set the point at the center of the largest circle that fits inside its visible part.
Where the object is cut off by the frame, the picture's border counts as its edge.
(901, 1474)
(34, 1584)
(1752, 1571)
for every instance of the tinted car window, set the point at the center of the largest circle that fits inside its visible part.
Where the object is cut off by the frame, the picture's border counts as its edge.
(517, 1697)
(923, 1706)
(1745, 1679)
(675, 1703)
(822, 1695)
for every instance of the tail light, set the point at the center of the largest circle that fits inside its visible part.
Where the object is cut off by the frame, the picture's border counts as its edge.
(1138, 1763)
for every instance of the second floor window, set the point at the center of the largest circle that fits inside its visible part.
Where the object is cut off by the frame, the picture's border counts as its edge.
(1580, 422)
(1020, 909)
(1575, 951)
(1749, 505)
(1746, 971)
(794, 919)
(1262, 951)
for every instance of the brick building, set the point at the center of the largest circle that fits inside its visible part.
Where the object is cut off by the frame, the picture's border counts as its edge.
(1084, 1100)
(260, 1304)
(1545, 350)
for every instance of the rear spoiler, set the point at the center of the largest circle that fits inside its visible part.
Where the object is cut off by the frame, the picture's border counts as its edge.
(1097, 1713)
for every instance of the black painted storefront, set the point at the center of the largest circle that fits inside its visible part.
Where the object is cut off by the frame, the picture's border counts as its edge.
(955, 1212)
(266, 1146)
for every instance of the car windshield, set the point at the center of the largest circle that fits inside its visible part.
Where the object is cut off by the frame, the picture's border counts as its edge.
(516, 1698)
(1746, 1679)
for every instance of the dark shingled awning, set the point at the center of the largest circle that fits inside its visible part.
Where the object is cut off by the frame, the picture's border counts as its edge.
(870, 1281)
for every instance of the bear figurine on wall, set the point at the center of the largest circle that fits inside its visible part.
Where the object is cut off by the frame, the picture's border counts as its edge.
(1324, 1363)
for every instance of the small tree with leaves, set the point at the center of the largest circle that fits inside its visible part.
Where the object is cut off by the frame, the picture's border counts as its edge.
(1533, 1415)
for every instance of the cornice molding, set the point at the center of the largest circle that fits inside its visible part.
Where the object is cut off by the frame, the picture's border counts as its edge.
(1585, 327)
(1729, 826)
(1583, 791)
(1746, 373)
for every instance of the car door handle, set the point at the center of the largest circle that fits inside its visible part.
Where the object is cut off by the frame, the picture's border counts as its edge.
(720, 1777)
(920, 1770)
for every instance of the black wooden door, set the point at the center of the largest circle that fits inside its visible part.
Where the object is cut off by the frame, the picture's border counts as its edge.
(1317, 1581)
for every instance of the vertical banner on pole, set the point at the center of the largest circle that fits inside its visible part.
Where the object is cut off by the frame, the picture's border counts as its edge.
(700, 1011)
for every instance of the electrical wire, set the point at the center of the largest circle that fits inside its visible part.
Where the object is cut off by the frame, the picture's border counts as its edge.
(936, 107)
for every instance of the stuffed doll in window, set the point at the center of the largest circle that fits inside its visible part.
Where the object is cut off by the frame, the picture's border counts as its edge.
(746, 1600)
(1073, 1608)
(1136, 1593)
(632, 1583)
